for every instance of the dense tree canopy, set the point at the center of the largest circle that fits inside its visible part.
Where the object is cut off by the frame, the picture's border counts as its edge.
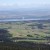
(4, 35)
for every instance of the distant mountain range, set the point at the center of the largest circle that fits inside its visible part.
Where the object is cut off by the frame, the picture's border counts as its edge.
(24, 15)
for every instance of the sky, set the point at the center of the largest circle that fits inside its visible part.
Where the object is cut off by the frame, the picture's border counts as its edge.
(18, 4)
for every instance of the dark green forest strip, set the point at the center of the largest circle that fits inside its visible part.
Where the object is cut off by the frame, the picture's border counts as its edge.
(24, 46)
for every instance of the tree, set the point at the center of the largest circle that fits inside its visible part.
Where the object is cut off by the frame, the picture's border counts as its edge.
(4, 35)
(40, 26)
(29, 35)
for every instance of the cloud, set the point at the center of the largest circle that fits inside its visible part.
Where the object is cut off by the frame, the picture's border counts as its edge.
(6, 5)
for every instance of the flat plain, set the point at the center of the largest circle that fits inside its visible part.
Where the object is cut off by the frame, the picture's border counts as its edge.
(28, 31)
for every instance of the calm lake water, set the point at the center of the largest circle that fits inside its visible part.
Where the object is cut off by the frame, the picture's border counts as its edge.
(1, 20)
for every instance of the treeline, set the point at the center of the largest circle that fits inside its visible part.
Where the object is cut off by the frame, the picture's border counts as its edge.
(24, 46)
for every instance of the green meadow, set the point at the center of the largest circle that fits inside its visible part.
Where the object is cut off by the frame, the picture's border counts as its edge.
(28, 31)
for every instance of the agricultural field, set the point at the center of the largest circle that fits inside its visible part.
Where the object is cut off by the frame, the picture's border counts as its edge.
(28, 31)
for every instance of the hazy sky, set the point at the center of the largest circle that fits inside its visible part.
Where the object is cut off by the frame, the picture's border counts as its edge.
(15, 4)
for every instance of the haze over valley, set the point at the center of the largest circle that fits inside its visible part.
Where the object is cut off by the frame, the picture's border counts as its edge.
(23, 15)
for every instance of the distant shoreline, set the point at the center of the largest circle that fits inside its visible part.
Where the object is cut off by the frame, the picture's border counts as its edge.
(2, 20)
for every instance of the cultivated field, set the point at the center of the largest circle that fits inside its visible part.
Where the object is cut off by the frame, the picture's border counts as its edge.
(28, 30)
